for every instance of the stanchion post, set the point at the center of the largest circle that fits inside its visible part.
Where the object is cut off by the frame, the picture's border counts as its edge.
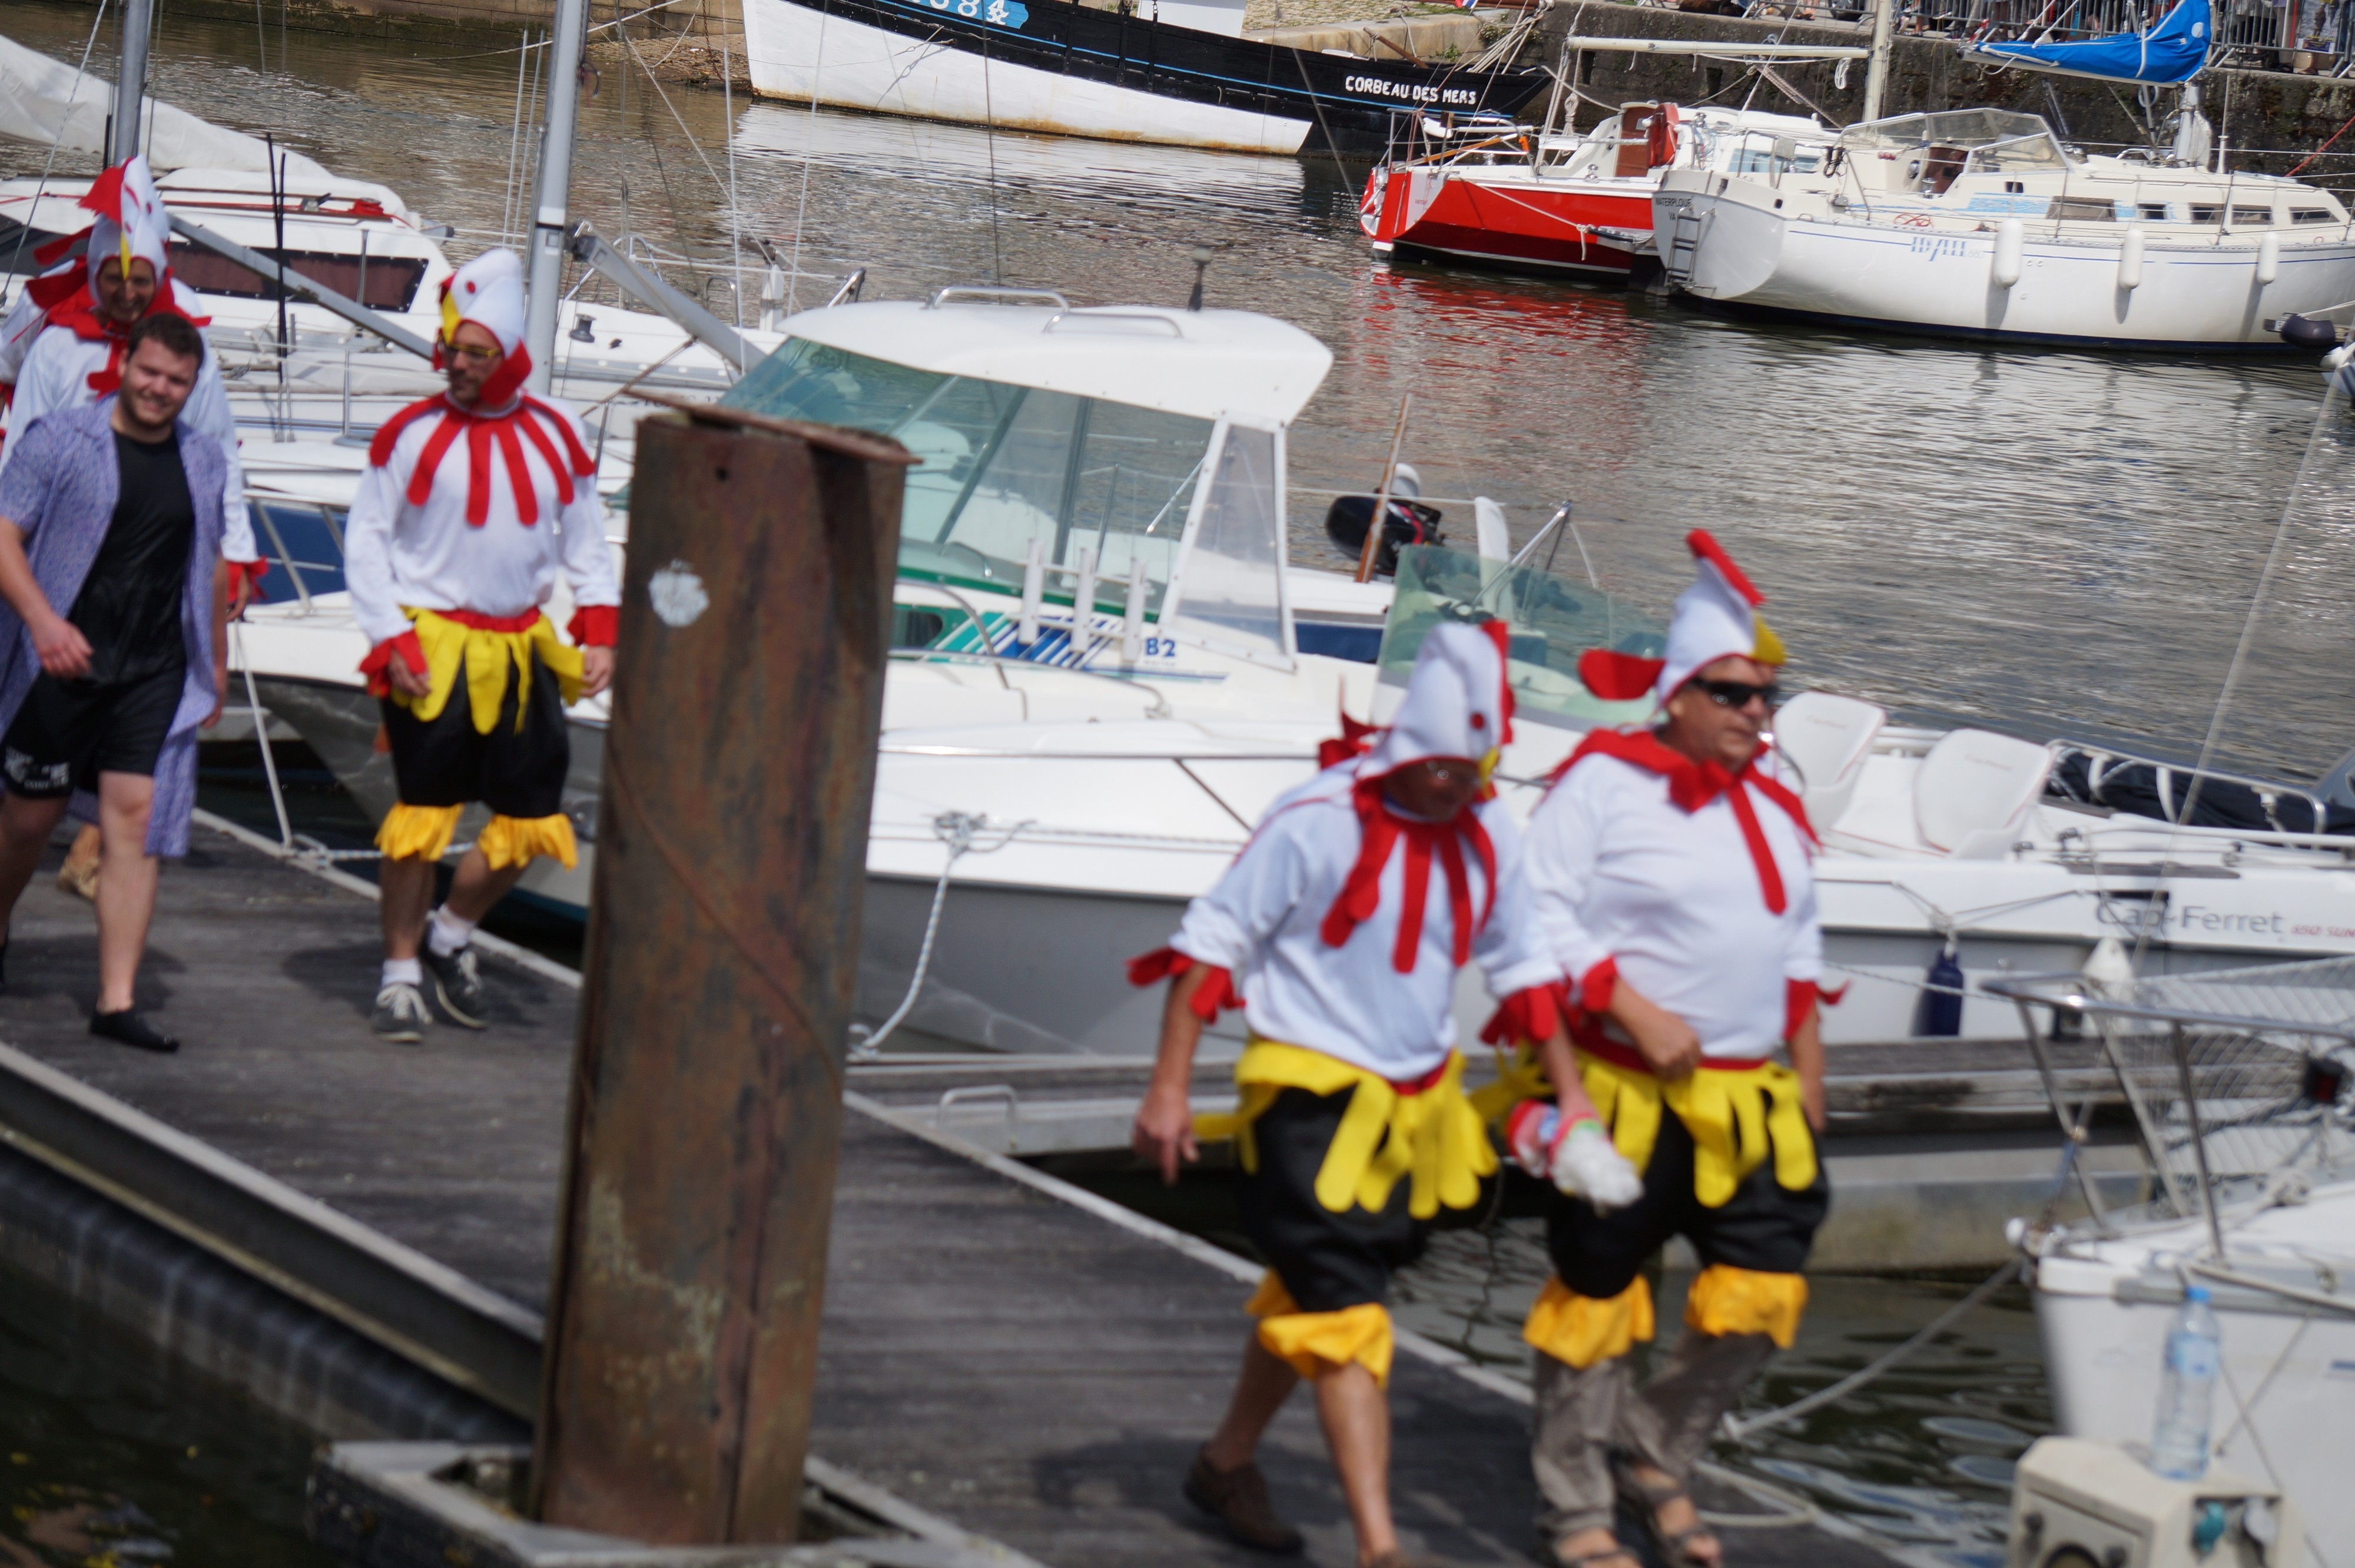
(722, 946)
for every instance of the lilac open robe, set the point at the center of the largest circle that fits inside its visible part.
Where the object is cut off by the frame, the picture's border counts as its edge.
(59, 489)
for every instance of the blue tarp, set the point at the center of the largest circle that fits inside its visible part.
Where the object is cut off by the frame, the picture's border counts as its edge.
(2172, 51)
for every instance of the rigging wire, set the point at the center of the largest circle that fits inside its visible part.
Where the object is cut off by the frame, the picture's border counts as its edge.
(25, 229)
(809, 155)
(989, 135)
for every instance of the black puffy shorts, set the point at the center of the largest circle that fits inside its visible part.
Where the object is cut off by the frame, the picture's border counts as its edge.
(1764, 1227)
(1327, 1261)
(69, 731)
(515, 772)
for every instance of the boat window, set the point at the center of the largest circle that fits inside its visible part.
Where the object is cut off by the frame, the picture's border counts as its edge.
(1961, 129)
(1761, 160)
(2203, 213)
(1000, 465)
(1234, 576)
(390, 281)
(1550, 623)
(2253, 217)
(2081, 209)
(2312, 215)
(2153, 212)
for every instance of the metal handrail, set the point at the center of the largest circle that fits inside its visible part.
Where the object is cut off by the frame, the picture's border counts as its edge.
(2022, 988)
(989, 293)
(1060, 317)
(2098, 759)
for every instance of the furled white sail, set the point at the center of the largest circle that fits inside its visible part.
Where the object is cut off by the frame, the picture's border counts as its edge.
(48, 101)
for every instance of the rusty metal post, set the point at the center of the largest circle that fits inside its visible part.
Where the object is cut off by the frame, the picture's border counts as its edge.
(723, 941)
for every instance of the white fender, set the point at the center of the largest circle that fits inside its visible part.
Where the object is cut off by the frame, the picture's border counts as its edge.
(2008, 236)
(2130, 258)
(2268, 260)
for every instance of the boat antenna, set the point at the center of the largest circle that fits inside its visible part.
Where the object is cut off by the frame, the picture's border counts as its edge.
(1200, 256)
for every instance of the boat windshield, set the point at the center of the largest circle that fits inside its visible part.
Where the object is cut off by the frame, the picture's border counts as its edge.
(1001, 465)
(1994, 138)
(1551, 623)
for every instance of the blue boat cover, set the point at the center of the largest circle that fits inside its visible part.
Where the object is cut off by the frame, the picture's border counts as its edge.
(2172, 51)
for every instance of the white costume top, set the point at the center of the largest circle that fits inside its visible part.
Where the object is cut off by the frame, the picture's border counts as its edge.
(56, 375)
(1619, 872)
(430, 557)
(1263, 922)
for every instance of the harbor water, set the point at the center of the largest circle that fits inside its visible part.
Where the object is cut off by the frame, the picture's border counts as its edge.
(110, 1458)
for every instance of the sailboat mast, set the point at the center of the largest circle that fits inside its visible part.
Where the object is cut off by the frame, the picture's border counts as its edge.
(131, 80)
(1876, 66)
(545, 265)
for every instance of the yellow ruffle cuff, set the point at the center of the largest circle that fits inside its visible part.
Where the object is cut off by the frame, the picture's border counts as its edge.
(1581, 1331)
(486, 657)
(417, 832)
(1729, 1300)
(518, 840)
(1734, 1116)
(1433, 1138)
(1315, 1343)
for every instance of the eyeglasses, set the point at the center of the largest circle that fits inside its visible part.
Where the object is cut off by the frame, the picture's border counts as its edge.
(469, 351)
(1741, 693)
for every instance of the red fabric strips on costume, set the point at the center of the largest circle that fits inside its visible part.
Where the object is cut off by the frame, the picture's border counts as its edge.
(1213, 996)
(1380, 830)
(596, 625)
(379, 679)
(529, 419)
(1800, 999)
(1355, 741)
(1532, 1014)
(77, 314)
(1692, 785)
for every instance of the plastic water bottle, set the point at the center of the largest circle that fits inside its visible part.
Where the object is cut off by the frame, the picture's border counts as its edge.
(2187, 1391)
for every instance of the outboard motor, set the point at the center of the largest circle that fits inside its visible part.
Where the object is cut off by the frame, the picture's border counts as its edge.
(1410, 522)
(2305, 332)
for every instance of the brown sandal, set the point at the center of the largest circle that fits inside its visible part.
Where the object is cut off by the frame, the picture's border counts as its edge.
(1238, 1499)
(1673, 1545)
(1555, 1555)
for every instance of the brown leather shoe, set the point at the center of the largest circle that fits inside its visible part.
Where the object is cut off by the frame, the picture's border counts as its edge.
(1238, 1499)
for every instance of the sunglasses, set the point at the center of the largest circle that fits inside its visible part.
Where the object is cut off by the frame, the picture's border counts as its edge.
(468, 351)
(1741, 693)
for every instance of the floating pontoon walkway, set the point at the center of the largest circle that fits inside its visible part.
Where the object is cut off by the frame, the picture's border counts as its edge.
(360, 1235)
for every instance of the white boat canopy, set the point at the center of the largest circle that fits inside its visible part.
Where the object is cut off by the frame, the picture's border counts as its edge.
(48, 101)
(1207, 364)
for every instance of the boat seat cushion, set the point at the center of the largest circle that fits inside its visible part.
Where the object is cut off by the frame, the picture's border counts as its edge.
(1975, 781)
(1828, 738)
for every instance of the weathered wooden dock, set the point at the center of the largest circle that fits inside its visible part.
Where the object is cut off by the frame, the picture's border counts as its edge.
(366, 1230)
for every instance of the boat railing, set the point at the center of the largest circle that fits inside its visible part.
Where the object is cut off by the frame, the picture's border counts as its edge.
(2174, 782)
(2239, 1080)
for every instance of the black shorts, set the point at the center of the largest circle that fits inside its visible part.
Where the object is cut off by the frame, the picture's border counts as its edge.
(516, 773)
(1764, 1227)
(69, 731)
(1327, 1261)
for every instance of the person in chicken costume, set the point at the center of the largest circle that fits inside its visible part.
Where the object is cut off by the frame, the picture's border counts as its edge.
(472, 503)
(1338, 930)
(1669, 869)
(62, 346)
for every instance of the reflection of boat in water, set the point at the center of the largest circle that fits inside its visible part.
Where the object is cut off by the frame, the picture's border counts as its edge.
(1113, 73)
(1523, 198)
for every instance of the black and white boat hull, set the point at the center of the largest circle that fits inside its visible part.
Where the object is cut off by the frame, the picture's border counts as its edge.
(1068, 69)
